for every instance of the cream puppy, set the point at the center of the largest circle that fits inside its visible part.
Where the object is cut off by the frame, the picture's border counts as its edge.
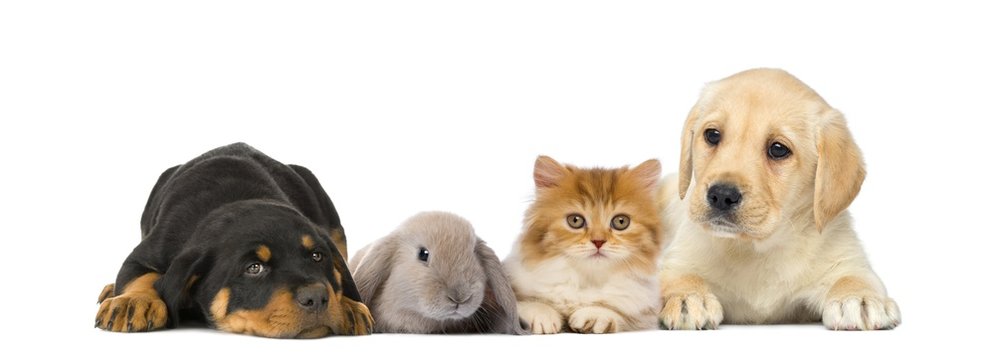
(761, 231)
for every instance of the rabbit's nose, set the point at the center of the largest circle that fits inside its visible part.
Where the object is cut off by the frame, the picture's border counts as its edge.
(458, 298)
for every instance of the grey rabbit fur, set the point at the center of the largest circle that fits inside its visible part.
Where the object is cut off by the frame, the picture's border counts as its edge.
(434, 275)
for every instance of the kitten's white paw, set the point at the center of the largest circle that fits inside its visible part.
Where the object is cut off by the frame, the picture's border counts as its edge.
(691, 311)
(595, 320)
(861, 313)
(540, 318)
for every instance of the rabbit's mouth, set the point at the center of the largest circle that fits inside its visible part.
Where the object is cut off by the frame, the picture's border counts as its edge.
(456, 310)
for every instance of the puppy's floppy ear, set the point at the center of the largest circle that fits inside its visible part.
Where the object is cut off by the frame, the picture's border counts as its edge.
(504, 314)
(548, 173)
(687, 142)
(349, 288)
(183, 273)
(373, 269)
(840, 170)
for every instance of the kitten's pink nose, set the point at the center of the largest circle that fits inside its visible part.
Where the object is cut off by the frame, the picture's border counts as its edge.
(598, 243)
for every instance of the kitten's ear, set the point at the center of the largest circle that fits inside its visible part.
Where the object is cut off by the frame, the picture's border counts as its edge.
(548, 173)
(647, 174)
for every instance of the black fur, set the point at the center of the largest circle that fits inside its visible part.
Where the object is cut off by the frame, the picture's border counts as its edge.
(205, 219)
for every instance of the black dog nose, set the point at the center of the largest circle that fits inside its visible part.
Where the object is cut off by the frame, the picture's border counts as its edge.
(723, 197)
(312, 297)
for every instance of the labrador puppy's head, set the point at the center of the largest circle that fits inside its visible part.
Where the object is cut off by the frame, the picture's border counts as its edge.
(765, 151)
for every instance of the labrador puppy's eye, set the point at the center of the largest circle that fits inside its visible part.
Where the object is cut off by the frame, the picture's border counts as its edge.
(620, 222)
(423, 254)
(317, 256)
(254, 269)
(778, 151)
(575, 221)
(713, 136)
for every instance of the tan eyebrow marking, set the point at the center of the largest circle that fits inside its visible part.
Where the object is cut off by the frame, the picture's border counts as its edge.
(308, 242)
(263, 253)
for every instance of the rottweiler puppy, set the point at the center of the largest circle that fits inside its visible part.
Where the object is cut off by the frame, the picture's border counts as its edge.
(249, 244)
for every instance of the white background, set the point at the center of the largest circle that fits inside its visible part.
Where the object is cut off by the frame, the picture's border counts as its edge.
(400, 107)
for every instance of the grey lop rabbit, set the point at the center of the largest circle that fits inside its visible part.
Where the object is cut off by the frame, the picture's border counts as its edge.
(434, 275)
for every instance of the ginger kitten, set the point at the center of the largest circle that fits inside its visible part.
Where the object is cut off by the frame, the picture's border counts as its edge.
(586, 259)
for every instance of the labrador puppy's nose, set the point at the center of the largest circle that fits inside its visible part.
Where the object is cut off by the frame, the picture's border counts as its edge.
(723, 197)
(312, 297)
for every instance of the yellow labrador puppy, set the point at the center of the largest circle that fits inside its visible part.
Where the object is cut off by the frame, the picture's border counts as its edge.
(762, 234)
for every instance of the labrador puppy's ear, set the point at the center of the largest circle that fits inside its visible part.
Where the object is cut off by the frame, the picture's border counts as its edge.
(687, 142)
(840, 170)
(504, 315)
(183, 273)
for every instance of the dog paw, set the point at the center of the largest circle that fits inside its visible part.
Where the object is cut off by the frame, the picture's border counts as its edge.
(692, 311)
(861, 313)
(107, 292)
(131, 312)
(595, 320)
(540, 318)
(357, 318)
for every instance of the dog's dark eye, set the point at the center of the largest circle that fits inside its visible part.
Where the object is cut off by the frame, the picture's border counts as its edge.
(713, 136)
(423, 254)
(575, 221)
(254, 269)
(620, 222)
(317, 256)
(778, 151)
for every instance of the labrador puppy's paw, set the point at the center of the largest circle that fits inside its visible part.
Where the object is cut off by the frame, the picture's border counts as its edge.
(857, 312)
(595, 320)
(539, 318)
(691, 311)
(131, 312)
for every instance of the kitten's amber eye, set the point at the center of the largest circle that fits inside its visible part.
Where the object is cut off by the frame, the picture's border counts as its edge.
(620, 222)
(575, 221)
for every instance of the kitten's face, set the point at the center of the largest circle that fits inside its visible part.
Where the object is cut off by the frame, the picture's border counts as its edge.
(597, 217)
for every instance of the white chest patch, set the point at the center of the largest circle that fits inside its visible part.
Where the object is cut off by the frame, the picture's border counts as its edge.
(568, 286)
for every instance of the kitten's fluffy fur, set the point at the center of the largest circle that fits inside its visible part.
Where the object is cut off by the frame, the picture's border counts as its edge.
(561, 278)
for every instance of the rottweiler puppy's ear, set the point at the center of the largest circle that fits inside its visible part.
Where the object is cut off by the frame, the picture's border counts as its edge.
(174, 286)
(348, 285)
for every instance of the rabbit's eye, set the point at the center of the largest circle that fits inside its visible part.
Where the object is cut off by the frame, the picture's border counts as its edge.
(423, 254)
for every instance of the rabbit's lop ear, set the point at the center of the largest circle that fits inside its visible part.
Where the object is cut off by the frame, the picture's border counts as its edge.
(504, 316)
(372, 271)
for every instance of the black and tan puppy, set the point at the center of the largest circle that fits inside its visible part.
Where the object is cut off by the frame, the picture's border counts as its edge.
(252, 245)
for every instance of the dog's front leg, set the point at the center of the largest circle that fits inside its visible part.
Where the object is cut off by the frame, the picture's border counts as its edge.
(852, 303)
(688, 304)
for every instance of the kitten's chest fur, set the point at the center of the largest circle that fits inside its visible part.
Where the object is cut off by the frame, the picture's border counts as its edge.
(567, 286)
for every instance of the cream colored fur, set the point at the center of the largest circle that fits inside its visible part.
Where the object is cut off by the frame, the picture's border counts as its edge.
(795, 256)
